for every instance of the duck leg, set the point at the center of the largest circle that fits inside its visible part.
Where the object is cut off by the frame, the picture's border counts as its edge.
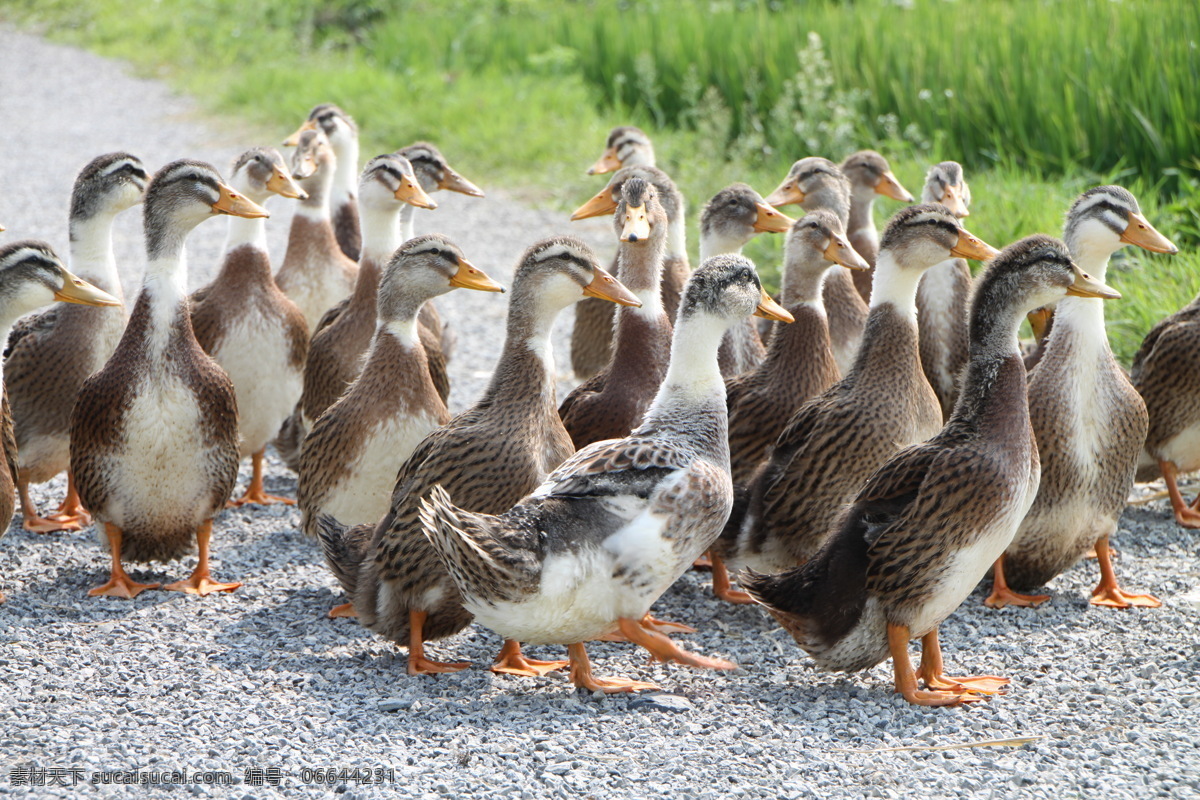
(511, 661)
(72, 510)
(663, 649)
(119, 584)
(35, 522)
(255, 493)
(1002, 596)
(721, 585)
(344, 610)
(418, 664)
(200, 581)
(581, 675)
(932, 671)
(1185, 515)
(906, 679)
(702, 563)
(1107, 592)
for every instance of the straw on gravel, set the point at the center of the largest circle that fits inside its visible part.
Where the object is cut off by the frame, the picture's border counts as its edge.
(261, 679)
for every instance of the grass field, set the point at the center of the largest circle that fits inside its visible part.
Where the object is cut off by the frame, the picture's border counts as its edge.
(1038, 98)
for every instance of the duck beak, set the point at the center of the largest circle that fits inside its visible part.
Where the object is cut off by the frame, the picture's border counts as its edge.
(606, 163)
(411, 192)
(787, 194)
(470, 277)
(771, 221)
(769, 309)
(952, 199)
(1140, 232)
(294, 139)
(285, 185)
(888, 186)
(1039, 321)
(453, 182)
(971, 246)
(77, 290)
(230, 202)
(606, 287)
(1087, 286)
(602, 203)
(839, 251)
(637, 224)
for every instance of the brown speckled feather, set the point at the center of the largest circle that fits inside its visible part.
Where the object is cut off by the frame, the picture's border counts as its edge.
(1164, 375)
(8, 473)
(345, 228)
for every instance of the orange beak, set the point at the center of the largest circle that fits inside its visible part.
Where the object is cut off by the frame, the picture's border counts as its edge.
(971, 246)
(888, 186)
(294, 139)
(771, 221)
(602, 203)
(952, 199)
(470, 277)
(606, 287)
(839, 251)
(606, 163)
(230, 202)
(787, 194)
(1140, 232)
(769, 309)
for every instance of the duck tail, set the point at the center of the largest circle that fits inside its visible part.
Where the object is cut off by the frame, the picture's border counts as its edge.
(345, 549)
(462, 543)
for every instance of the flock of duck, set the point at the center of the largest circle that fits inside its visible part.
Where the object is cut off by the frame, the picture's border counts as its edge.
(856, 459)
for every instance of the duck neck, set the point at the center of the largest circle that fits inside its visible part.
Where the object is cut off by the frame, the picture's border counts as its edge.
(994, 391)
(319, 187)
(92, 252)
(690, 403)
(830, 199)
(163, 298)
(403, 326)
(861, 221)
(895, 285)
(345, 176)
(677, 235)
(525, 374)
(1082, 318)
(803, 281)
(712, 244)
(408, 217)
(380, 234)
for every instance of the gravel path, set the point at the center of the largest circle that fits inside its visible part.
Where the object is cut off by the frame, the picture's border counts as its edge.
(261, 679)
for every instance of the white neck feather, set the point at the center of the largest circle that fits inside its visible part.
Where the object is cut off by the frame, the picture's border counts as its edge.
(345, 178)
(244, 231)
(165, 285)
(1085, 314)
(895, 284)
(694, 375)
(677, 238)
(407, 216)
(92, 253)
(405, 331)
(713, 244)
(380, 234)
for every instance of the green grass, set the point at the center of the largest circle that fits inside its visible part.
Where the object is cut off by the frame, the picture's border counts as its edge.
(1040, 99)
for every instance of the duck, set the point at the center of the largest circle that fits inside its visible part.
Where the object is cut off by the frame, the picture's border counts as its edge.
(49, 355)
(388, 185)
(588, 552)
(161, 406)
(943, 294)
(833, 442)
(31, 276)
(870, 176)
(245, 322)
(434, 174)
(591, 336)
(733, 217)
(350, 459)
(931, 519)
(815, 183)
(342, 134)
(315, 273)
(626, 146)
(799, 365)
(1163, 375)
(489, 457)
(611, 404)
(1088, 418)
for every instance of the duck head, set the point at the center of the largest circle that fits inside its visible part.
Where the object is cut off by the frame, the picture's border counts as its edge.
(944, 183)
(108, 185)
(260, 172)
(734, 216)
(422, 269)
(626, 146)
(1104, 219)
(434, 172)
(388, 181)
(32, 276)
(869, 174)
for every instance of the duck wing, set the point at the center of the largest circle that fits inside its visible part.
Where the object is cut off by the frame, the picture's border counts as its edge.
(29, 328)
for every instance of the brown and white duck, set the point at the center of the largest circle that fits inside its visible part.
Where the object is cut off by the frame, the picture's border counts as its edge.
(489, 457)
(248, 325)
(870, 176)
(833, 443)
(613, 402)
(588, 552)
(51, 354)
(931, 519)
(626, 146)
(342, 134)
(351, 457)
(817, 183)
(315, 274)
(1088, 418)
(154, 436)
(31, 276)
(733, 217)
(943, 294)
(799, 365)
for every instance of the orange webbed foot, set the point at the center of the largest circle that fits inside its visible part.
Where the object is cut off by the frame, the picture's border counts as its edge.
(663, 649)
(259, 498)
(201, 585)
(1115, 597)
(1003, 596)
(344, 610)
(53, 524)
(939, 697)
(581, 675)
(423, 666)
(722, 587)
(121, 586)
(974, 684)
(510, 661)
